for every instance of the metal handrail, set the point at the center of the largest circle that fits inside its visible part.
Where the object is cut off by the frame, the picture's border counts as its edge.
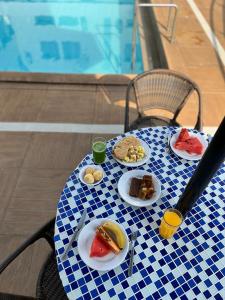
(170, 24)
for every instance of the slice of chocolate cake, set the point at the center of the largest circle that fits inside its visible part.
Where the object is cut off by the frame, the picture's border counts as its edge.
(135, 187)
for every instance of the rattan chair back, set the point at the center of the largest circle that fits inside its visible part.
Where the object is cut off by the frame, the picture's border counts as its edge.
(163, 89)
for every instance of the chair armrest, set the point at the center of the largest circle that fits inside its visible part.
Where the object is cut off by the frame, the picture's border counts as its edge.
(41, 233)
(126, 123)
(198, 124)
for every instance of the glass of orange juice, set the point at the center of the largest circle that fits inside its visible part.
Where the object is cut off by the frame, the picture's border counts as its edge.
(170, 222)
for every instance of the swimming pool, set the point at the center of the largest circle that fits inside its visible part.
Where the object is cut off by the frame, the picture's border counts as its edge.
(67, 36)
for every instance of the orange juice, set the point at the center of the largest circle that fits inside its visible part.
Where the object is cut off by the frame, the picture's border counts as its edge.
(170, 222)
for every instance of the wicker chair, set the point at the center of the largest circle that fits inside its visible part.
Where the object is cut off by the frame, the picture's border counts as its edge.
(49, 286)
(160, 89)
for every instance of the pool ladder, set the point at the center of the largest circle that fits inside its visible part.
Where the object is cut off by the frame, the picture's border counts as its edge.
(171, 23)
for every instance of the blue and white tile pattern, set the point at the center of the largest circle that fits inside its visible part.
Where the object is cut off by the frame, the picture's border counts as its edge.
(191, 265)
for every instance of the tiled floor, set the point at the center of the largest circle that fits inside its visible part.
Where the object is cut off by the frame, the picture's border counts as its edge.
(35, 166)
(33, 171)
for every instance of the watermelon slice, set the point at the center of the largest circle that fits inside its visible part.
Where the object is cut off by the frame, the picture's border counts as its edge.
(183, 136)
(99, 248)
(192, 145)
(186, 143)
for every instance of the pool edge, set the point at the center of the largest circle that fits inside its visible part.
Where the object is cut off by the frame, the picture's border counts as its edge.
(110, 79)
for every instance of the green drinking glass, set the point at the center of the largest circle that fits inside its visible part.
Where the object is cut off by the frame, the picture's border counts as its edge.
(99, 150)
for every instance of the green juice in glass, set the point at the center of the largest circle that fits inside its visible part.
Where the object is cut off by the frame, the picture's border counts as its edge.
(99, 150)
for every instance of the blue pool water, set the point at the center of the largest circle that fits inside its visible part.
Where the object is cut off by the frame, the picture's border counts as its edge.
(67, 36)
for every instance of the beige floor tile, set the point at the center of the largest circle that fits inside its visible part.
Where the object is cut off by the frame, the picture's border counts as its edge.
(13, 148)
(41, 183)
(25, 227)
(4, 95)
(23, 105)
(22, 221)
(192, 39)
(187, 23)
(57, 150)
(31, 204)
(8, 180)
(188, 115)
(198, 56)
(213, 108)
(68, 106)
(173, 52)
(209, 79)
(18, 279)
(28, 217)
(15, 275)
(40, 251)
(109, 108)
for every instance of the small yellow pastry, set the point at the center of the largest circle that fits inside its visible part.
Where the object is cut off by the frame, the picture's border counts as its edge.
(89, 178)
(89, 170)
(97, 175)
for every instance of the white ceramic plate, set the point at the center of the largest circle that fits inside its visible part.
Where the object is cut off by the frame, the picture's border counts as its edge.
(124, 187)
(82, 173)
(140, 162)
(106, 263)
(185, 154)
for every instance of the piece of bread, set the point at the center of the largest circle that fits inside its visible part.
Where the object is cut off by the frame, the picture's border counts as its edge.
(89, 178)
(130, 141)
(89, 170)
(120, 152)
(97, 175)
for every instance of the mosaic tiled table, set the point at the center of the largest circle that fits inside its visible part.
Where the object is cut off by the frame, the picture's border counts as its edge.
(191, 265)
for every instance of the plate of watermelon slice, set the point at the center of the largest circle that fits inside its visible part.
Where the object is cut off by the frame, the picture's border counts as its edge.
(103, 244)
(190, 146)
